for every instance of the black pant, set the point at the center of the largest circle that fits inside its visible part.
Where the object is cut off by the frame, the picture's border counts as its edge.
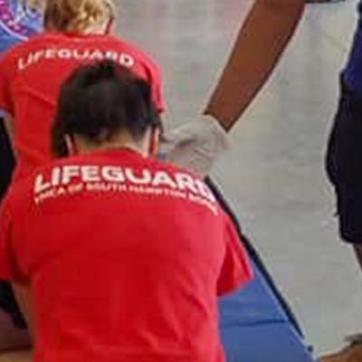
(7, 300)
(344, 164)
(6, 160)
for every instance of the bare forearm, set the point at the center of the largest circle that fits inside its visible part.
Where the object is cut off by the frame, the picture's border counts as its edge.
(260, 42)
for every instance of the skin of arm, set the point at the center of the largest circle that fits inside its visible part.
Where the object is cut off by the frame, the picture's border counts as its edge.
(261, 41)
(24, 298)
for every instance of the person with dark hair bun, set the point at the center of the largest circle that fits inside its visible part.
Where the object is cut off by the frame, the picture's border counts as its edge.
(75, 32)
(124, 256)
(97, 102)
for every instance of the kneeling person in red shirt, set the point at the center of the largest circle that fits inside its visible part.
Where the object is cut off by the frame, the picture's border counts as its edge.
(124, 256)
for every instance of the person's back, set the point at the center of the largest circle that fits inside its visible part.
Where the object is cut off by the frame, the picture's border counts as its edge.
(126, 257)
(31, 74)
(19, 20)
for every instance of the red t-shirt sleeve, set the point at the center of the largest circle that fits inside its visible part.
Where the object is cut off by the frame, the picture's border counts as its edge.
(236, 269)
(7, 73)
(8, 269)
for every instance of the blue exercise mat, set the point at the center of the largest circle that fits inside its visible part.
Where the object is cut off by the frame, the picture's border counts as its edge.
(255, 327)
(256, 323)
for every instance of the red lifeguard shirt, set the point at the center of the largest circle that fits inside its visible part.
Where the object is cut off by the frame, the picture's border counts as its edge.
(125, 256)
(32, 72)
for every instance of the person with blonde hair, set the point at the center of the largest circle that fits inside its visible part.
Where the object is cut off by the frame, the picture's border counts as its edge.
(19, 20)
(79, 15)
(76, 32)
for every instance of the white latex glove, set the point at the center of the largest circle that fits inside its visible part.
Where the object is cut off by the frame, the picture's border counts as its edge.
(196, 145)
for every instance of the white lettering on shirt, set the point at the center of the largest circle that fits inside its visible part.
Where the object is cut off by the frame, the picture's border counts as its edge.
(69, 172)
(80, 54)
(126, 60)
(186, 182)
(33, 58)
(162, 178)
(112, 174)
(97, 55)
(65, 54)
(50, 54)
(72, 179)
(90, 174)
(204, 190)
(56, 174)
(41, 185)
(111, 56)
(143, 179)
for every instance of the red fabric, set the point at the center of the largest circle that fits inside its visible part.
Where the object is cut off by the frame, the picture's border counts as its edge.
(128, 273)
(31, 74)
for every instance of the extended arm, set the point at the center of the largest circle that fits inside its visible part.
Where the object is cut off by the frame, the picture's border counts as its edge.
(260, 42)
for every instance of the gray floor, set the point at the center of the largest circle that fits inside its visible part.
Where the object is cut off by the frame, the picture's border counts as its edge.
(274, 176)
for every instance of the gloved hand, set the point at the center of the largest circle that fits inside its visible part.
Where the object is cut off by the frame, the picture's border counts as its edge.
(195, 145)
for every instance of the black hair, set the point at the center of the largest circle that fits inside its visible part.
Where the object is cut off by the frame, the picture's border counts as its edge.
(100, 100)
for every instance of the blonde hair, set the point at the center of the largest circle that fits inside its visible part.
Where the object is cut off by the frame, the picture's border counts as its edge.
(35, 4)
(78, 15)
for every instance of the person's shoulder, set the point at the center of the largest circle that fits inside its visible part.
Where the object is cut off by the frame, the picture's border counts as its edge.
(19, 192)
(25, 46)
(185, 179)
(42, 38)
(133, 49)
(35, 39)
(23, 191)
(123, 43)
(60, 162)
(22, 187)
